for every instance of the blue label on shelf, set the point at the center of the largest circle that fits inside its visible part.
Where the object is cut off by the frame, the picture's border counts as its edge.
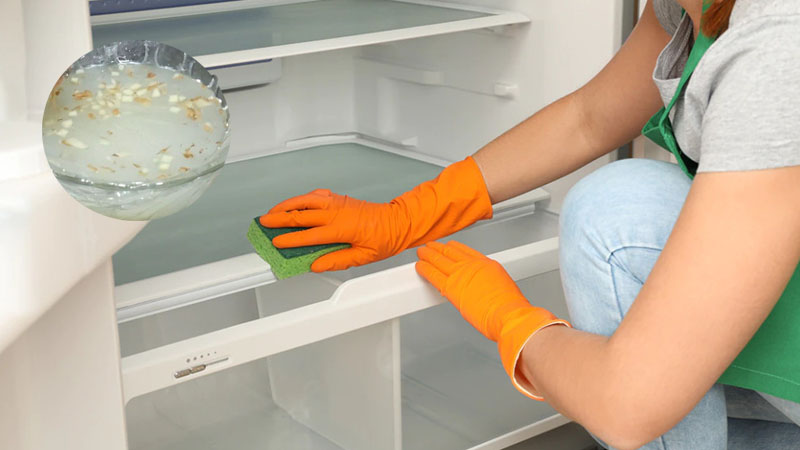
(99, 7)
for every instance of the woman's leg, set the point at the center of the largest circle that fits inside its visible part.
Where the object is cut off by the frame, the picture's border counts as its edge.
(614, 224)
(749, 404)
(788, 408)
(754, 422)
(762, 434)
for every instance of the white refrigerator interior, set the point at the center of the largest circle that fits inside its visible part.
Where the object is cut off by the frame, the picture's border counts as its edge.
(174, 334)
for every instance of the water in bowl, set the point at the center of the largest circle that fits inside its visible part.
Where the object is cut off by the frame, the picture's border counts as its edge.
(134, 141)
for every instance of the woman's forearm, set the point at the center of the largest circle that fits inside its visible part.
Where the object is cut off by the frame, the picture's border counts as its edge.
(543, 148)
(582, 376)
(576, 373)
(606, 113)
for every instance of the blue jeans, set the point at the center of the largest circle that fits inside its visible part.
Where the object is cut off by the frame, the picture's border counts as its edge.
(614, 224)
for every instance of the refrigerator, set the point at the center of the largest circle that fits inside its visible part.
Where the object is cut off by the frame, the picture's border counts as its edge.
(174, 334)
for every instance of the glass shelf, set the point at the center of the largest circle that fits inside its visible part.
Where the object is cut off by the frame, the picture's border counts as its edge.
(232, 34)
(214, 228)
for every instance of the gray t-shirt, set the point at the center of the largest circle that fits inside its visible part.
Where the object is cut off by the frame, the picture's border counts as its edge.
(741, 108)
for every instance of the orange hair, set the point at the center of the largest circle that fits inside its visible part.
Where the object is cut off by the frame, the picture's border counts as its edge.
(715, 20)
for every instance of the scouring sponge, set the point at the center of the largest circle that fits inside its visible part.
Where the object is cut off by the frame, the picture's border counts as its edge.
(285, 262)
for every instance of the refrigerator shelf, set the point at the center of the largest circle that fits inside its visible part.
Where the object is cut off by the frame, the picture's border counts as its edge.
(202, 253)
(246, 31)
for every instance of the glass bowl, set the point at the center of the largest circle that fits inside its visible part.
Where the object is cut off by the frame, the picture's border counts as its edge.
(136, 130)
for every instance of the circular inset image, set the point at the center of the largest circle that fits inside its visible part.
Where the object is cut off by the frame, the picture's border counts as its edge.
(136, 130)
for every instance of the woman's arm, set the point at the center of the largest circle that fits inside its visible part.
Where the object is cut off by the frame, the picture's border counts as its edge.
(732, 251)
(606, 113)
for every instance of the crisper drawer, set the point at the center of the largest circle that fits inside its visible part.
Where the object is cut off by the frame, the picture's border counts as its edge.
(424, 381)
(200, 313)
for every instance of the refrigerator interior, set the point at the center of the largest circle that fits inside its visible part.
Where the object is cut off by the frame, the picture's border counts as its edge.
(219, 354)
(360, 359)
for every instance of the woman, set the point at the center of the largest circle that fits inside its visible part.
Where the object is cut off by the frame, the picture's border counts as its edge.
(718, 251)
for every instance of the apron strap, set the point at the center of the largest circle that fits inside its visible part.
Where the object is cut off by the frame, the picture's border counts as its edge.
(659, 127)
(701, 45)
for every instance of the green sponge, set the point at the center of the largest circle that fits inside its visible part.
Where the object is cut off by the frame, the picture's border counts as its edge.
(286, 262)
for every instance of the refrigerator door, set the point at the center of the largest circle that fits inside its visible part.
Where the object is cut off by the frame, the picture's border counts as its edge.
(59, 357)
(49, 241)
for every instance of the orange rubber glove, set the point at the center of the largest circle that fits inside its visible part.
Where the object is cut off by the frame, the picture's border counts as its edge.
(488, 299)
(454, 200)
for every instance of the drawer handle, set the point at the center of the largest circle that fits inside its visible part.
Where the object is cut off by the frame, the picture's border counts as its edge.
(195, 369)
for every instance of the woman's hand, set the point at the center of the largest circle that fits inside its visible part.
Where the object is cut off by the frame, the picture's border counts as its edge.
(479, 287)
(488, 299)
(375, 230)
(456, 199)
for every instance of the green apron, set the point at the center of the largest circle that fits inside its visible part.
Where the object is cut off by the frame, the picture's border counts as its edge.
(770, 362)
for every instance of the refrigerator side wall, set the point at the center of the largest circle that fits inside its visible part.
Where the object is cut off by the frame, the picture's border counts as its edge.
(313, 96)
(64, 23)
(13, 104)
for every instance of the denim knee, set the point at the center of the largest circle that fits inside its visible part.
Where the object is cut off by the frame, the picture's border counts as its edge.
(626, 208)
(627, 202)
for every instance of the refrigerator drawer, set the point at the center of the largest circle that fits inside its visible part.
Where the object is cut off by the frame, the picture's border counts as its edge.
(426, 380)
